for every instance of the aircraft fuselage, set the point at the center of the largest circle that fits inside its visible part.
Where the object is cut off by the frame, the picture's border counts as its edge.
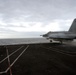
(60, 36)
(63, 35)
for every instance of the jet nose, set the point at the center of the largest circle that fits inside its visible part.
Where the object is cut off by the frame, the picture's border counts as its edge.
(45, 35)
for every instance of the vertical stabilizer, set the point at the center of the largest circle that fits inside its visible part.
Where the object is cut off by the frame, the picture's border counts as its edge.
(73, 27)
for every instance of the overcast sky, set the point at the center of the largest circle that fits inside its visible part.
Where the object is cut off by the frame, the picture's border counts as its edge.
(31, 18)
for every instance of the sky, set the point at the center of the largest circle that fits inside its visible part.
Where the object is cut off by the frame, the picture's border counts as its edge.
(32, 18)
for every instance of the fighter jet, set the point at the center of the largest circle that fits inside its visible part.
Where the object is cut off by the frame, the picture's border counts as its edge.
(61, 36)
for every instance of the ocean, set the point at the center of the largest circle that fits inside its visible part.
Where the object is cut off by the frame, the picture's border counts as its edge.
(13, 41)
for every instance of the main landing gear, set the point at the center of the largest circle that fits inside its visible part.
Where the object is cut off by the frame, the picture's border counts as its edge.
(61, 41)
(51, 41)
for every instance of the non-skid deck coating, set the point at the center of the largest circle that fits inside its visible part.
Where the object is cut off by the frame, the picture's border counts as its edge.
(40, 59)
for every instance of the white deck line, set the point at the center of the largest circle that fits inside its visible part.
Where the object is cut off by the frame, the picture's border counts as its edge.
(3, 72)
(54, 50)
(11, 54)
(16, 59)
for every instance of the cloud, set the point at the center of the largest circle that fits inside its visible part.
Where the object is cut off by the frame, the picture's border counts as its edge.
(39, 10)
(36, 26)
(29, 16)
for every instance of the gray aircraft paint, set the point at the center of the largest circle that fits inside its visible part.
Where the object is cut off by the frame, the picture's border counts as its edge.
(63, 35)
(73, 27)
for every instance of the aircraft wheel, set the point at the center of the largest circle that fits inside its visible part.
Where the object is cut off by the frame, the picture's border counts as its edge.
(51, 41)
(61, 42)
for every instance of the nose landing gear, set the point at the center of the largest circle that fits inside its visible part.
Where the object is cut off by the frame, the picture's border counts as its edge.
(51, 41)
(61, 41)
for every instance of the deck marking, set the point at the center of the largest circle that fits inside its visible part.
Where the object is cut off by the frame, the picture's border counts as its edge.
(11, 54)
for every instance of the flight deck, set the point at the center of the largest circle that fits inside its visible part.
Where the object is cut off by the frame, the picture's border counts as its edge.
(38, 59)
